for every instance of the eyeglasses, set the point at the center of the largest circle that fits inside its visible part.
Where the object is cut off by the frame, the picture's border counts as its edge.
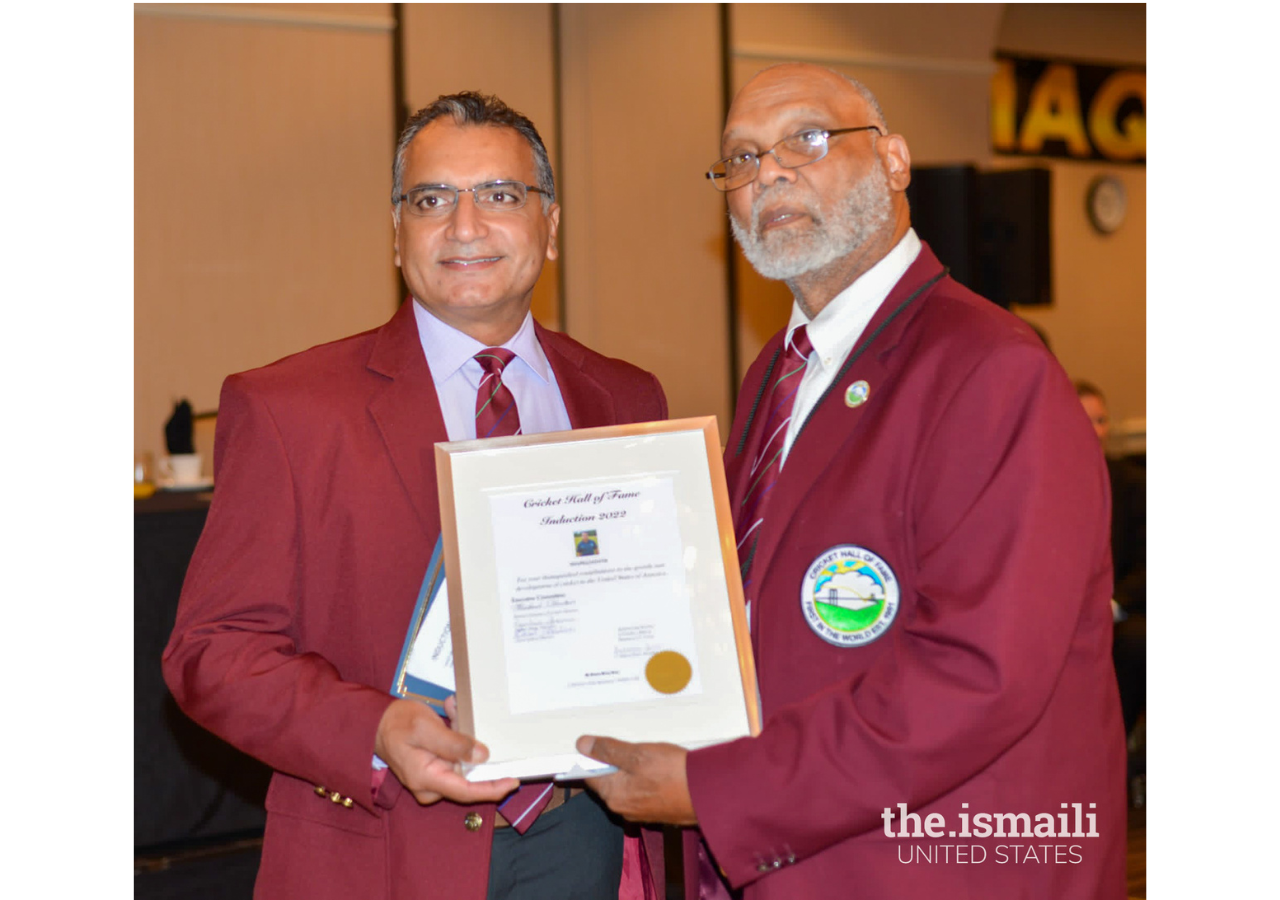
(492, 196)
(792, 152)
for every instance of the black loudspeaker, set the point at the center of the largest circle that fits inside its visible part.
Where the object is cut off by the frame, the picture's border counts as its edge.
(944, 213)
(990, 228)
(1015, 262)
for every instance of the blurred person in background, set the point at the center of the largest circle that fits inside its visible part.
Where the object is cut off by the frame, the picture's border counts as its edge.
(1129, 558)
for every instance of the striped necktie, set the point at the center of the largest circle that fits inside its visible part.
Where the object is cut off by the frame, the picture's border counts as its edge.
(496, 413)
(768, 462)
(496, 416)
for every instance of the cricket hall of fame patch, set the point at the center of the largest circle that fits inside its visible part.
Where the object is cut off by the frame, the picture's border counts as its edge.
(849, 596)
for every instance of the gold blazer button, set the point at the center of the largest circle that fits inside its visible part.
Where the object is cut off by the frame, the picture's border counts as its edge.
(473, 821)
(321, 791)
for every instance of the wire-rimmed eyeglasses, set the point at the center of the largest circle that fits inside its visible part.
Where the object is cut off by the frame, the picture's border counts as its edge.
(792, 152)
(442, 199)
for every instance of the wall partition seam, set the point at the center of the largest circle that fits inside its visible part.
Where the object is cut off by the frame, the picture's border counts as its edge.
(400, 114)
(557, 107)
(730, 269)
(398, 92)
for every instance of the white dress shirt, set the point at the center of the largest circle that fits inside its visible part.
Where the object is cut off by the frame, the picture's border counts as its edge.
(835, 330)
(451, 356)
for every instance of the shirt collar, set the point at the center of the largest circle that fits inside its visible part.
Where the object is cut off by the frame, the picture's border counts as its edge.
(834, 330)
(449, 349)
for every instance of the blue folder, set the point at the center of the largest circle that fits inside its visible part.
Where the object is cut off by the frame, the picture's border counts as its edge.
(406, 685)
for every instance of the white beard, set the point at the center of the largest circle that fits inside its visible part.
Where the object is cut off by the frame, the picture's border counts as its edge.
(788, 253)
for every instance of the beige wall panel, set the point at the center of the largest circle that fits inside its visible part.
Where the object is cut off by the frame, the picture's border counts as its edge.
(357, 10)
(448, 47)
(644, 233)
(1107, 32)
(929, 33)
(262, 157)
(376, 16)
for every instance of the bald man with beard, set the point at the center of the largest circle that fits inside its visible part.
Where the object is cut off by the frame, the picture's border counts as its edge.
(922, 517)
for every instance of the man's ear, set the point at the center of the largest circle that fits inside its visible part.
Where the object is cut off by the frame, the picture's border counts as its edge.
(395, 236)
(897, 160)
(553, 227)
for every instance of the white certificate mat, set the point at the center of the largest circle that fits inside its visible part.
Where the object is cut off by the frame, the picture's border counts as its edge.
(593, 588)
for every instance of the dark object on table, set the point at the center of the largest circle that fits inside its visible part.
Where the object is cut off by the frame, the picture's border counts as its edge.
(179, 431)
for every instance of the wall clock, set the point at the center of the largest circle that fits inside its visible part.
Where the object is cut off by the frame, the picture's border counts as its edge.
(1106, 203)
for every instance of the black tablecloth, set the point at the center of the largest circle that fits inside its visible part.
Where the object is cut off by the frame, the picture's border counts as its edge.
(189, 787)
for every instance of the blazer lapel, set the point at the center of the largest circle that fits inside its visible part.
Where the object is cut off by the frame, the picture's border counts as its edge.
(585, 400)
(407, 412)
(833, 424)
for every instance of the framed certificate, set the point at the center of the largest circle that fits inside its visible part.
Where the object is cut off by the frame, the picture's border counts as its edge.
(593, 588)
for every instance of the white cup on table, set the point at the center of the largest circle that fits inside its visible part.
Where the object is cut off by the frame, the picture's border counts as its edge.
(182, 468)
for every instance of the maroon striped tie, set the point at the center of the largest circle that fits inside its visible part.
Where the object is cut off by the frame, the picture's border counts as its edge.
(780, 399)
(496, 413)
(523, 807)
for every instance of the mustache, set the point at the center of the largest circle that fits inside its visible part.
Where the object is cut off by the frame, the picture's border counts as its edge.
(782, 192)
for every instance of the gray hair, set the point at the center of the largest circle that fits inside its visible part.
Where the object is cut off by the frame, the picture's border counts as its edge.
(473, 108)
(865, 93)
(861, 89)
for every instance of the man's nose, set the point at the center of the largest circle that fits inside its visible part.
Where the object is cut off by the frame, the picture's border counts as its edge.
(467, 222)
(772, 171)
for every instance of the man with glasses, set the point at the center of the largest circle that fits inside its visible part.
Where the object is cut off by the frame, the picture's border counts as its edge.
(298, 597)
(921, 514)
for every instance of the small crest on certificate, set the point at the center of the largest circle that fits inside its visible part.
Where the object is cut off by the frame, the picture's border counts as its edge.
(585, 543)
(849, 596)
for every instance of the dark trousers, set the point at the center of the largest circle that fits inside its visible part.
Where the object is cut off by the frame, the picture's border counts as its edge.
(1129, 652)
(573, 852)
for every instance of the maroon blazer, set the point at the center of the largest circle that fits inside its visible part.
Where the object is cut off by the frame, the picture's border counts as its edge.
(300, 592)
(972, 474)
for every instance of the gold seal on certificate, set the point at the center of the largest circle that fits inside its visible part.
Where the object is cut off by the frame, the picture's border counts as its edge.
(593, 588)
(668, 672)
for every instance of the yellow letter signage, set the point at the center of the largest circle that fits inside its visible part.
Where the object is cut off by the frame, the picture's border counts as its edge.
(1070, 110)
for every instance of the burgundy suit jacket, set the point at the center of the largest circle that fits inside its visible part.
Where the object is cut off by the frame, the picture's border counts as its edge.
(299, 594)
(972, 472)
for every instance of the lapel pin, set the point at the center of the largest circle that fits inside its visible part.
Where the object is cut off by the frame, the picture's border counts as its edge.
(857, 394)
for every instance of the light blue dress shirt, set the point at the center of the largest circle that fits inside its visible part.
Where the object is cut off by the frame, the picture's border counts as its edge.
(451, 356)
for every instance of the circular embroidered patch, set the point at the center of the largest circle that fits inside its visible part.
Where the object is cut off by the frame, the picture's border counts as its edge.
(849, 596)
